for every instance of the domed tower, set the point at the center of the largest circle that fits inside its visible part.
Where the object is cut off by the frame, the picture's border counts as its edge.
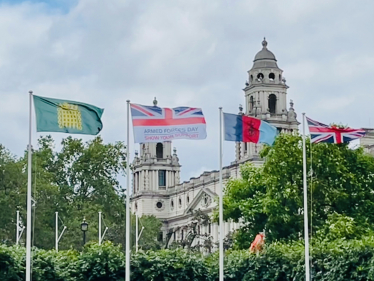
(156, 168)
(266, 99)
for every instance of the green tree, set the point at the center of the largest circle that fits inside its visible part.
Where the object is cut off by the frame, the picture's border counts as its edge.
(12, 194)
(79, 181)
(150, 238)
(270, 198)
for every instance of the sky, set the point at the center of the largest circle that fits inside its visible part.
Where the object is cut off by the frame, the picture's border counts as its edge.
(192, 53)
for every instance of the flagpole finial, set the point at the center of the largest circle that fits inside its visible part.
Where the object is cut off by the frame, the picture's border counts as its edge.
(30, 92)
(155, 102)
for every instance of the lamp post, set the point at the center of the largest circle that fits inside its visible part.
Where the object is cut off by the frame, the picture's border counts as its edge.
(84, 227)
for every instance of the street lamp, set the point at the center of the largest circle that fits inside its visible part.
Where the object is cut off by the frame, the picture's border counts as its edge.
(84, 227)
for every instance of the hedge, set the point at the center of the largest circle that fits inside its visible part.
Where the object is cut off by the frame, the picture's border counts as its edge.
(331, 261)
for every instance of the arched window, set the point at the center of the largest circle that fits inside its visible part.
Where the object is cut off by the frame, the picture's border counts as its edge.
(271, 76)
(272, 103)
(159, 151)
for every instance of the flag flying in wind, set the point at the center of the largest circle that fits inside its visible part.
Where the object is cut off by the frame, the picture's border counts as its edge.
(323, 133)
(248, 129)
(155, 124)
(65, 116)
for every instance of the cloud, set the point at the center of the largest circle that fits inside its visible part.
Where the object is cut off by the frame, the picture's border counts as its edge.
(184, 53)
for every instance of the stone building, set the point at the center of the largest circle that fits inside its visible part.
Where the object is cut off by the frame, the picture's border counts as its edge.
(157, 189)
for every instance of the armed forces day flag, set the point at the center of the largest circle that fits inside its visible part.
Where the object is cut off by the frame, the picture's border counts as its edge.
(248, 129)
(65, 116)
(156, 124)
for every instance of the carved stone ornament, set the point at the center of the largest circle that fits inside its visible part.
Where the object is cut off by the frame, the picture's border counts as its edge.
(206, 200)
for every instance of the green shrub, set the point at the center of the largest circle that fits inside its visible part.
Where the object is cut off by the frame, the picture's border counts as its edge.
(100, 263)
(168, 265)
(336, 260)
(11, 267)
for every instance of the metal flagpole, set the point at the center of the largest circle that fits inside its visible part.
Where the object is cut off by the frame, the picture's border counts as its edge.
(99, 228)
(136, 231)
(56, 242)
(17, 229)
(220, 200)
(58, 237)
(28, 230)
(306, 232)
(128, 195)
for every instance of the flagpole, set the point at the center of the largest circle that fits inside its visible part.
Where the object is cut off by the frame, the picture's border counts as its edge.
(17, 229)
(128, 195)
(99, 228)
(136, 231)
(56, 234)
(28, 230)
(220, 200)
(306, 232)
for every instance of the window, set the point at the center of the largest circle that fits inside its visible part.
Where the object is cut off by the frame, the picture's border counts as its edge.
(161, 178)
(209, 228)
(188, 199)
(174, 236)
(180, 201)
(159, 205)
(271, 76)
(260, 76)
(272, 103)
(182, 235)
(251, 103)
(198, 229)
(159, 151)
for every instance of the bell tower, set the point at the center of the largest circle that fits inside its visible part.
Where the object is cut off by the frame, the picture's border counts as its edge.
(156, 168)
(266, 99)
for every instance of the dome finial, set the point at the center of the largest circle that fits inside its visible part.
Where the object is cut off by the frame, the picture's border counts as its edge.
(155, 102)
(264, 43)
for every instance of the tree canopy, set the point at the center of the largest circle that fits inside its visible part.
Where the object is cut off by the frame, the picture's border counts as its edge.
(270, 198)
(77, 181)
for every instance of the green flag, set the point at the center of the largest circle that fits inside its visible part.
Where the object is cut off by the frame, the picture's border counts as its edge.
(53, 115)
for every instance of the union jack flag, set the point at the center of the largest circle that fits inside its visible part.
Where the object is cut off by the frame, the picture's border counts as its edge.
(323, 133)
(153, 123)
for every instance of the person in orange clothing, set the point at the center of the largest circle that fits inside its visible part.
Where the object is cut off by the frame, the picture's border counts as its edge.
(258, 243)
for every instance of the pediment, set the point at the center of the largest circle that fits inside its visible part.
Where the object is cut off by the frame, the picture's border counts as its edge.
(204, 199)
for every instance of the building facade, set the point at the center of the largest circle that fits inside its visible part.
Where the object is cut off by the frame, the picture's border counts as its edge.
(157, 189)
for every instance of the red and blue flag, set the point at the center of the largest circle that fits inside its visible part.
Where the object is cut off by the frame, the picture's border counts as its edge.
(320, 132)
(248, 129)
(156, 124)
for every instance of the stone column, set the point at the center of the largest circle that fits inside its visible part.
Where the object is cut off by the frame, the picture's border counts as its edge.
(242, 144)
(141, 181)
